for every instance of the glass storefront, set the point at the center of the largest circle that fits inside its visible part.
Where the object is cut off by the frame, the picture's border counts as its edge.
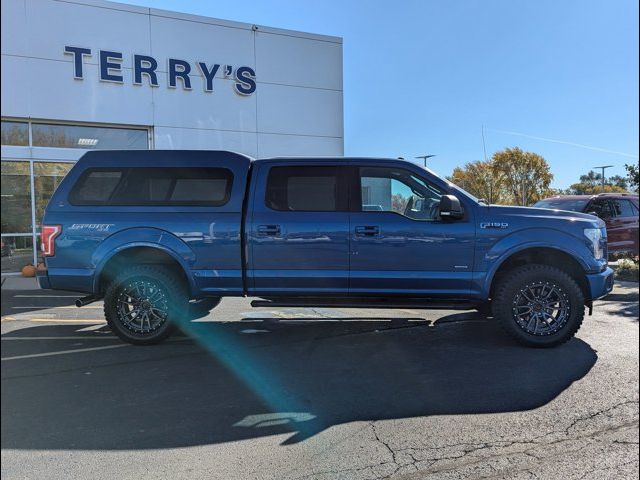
(15, 133)
(30, 176)
(46, 178)
(88, 138)
(16, 197)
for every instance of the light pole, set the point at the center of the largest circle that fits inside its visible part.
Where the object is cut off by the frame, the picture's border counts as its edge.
(424, 157)
(603, 168)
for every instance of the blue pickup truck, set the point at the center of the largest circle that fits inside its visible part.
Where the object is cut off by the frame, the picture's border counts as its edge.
(161, 235)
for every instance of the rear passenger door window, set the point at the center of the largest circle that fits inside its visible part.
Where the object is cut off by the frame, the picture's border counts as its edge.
(308, 189)
(189, 186)
(622, 208)
(299, 229)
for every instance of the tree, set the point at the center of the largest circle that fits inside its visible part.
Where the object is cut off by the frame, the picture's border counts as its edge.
(618, 181)
(480, 179)
(633, 175)
(591, 183)
(526, 175)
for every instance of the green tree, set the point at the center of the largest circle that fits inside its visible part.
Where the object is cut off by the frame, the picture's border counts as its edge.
(591, 183)
(526, 175)
(633, 175)
(618, 181)
(480, 179)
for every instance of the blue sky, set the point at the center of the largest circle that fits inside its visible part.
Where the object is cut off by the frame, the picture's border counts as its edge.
(424, 76)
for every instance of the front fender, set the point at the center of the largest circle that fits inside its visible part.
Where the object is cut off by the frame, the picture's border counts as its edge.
(533, 238)
(143, 237)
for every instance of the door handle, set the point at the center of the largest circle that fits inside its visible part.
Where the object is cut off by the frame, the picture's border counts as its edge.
(269, 230)
(368, 231)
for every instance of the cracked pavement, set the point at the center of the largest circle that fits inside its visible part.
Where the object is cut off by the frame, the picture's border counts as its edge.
(318, 393)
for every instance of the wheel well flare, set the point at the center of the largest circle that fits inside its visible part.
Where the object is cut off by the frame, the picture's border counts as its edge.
(544, 256)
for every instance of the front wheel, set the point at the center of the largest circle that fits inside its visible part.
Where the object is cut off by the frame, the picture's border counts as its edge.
(143, 303)
(539, 305)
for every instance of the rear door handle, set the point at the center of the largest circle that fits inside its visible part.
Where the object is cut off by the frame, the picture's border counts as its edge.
(367, 231)
(270, 230)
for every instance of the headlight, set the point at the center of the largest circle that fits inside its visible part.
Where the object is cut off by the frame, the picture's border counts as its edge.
(594, 235)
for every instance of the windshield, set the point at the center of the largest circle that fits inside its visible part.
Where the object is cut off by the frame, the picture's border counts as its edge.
(455, 187)
(574, 205)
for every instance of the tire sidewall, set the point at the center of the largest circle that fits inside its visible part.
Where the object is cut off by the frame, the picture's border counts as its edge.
(515, 280)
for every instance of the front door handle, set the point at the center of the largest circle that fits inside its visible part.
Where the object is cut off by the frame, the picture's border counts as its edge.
(270, 230)
(367, 231)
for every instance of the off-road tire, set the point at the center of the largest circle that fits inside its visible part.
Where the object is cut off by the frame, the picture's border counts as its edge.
(512, 284)
(174, 295)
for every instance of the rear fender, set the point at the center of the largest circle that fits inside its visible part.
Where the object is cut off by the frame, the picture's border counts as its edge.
(144, 237)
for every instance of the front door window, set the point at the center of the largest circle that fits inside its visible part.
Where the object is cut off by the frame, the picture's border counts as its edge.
(398, 191)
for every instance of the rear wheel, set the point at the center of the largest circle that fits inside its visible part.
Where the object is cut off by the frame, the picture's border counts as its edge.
(539, 305)
(143, 303)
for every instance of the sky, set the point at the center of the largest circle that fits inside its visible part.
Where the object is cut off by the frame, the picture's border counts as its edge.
(425, 76)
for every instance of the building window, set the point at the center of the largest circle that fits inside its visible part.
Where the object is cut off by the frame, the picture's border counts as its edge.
(46, 178)
(89, 138)
(17, 241)
(15, 133)
(16, 197)
(30, 176)
(17, 251)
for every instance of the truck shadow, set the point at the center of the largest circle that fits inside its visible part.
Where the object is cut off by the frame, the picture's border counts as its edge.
(27, 301)
(259, 377)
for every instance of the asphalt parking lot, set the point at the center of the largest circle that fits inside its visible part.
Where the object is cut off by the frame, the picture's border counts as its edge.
(315, 394)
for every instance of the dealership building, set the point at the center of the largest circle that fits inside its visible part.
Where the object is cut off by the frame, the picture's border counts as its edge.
(84, 74)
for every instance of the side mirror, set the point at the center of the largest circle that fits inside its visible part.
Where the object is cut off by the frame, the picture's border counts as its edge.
(450, 207)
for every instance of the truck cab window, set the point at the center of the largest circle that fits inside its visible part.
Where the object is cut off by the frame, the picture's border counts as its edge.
(399, 191)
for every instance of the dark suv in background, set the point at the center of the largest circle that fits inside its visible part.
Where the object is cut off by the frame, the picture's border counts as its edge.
(618, 210)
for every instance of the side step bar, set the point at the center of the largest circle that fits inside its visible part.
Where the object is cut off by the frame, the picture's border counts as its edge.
(421, 304)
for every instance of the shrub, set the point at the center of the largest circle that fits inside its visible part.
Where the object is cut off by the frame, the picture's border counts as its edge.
(627, 269)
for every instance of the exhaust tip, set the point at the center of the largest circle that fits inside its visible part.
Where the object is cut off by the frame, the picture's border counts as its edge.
(81, 302)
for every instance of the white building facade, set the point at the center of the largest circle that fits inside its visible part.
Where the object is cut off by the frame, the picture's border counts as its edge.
(99, 75)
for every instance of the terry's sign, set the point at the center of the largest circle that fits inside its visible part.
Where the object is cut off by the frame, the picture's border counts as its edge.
(145, 66)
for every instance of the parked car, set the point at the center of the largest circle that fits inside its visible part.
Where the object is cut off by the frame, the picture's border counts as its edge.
(152, 231)
(618, 210)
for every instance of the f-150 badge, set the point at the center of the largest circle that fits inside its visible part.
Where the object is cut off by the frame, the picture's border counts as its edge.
(494, 225)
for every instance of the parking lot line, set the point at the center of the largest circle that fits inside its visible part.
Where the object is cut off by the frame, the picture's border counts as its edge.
(90, 328)
(64, 320)
(64, 352)
(46, 307)
(45, 296)
(79, 337)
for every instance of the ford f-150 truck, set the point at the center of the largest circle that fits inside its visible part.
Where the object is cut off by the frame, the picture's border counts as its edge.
(163, 234)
